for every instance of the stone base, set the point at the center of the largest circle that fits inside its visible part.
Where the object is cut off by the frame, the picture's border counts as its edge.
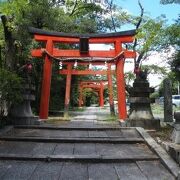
(146, 124)
(140, 111)
(176, 134)
(33, 120)
(173, 150)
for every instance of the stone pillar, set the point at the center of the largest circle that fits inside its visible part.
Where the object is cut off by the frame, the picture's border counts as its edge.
(168, 112)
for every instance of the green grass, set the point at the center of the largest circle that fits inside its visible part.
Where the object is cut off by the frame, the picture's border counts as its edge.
(159, 109)
(111, 118)
(79, 109)
(57, 120)
(176, 108)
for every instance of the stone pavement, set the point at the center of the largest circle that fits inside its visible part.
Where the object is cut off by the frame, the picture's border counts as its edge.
(92, 114)
(82, 151)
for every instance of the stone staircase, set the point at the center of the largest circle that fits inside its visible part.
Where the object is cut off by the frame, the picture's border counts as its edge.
(77, 150)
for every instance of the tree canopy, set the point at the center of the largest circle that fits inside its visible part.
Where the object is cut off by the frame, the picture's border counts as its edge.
(170, 1)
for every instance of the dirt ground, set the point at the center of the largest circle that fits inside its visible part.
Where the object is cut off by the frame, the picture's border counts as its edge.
(163, 134)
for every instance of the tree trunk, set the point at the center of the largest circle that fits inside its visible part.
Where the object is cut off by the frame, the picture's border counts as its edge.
(10, 60)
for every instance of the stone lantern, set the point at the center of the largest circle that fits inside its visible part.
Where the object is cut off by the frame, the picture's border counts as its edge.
(21, 114)
(140, 113)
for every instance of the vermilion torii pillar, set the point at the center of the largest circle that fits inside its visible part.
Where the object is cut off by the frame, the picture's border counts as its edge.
(46, 82)
(80, 96)
(121, 93)
(101, 95)
(110, 88)
(69, 56)
(68, 90)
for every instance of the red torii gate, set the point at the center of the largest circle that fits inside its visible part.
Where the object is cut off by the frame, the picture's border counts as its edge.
(97, 85)
(114, 56)
(69, 72)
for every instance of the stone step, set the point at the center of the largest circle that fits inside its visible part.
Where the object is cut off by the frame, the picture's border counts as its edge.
(74, 133)
(79, 158)
(73, 140)
(30, 170)
(14, 150)
(90, 152)
(69, 127)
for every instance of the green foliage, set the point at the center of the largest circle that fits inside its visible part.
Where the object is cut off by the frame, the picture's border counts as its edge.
(155, 95)
(173, 40)
(47, 15)
(175, 65)
(155, 69)
(10, 90)
(129, 77)
(171, 36)
(150, 35)
(174, 82)
(169, 1)
(79, 8)
(91, 97)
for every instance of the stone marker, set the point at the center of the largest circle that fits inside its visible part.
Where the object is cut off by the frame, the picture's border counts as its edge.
(168, 112)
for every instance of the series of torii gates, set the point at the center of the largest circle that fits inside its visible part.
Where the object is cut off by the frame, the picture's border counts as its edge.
(84, 56)
(97, 86)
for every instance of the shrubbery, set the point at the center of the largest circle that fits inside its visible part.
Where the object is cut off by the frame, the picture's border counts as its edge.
(10, 92)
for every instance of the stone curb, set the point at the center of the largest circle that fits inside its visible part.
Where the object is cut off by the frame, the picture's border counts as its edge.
(164, 156)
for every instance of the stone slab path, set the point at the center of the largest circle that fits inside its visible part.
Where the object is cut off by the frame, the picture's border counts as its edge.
(82, 151)
(92, 114)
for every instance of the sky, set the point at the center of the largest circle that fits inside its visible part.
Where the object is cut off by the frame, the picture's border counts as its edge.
(152, 8)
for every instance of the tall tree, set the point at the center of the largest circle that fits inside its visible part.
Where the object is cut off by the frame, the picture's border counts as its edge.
(173, 35)
(170, 1)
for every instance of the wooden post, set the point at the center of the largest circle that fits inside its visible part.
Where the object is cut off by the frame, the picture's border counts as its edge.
(46, 83)
(98, 92)
(80, 96)
(101, 93)
(110, 88)
(68, 90)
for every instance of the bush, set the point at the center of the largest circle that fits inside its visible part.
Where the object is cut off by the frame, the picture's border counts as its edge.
(10, 92)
